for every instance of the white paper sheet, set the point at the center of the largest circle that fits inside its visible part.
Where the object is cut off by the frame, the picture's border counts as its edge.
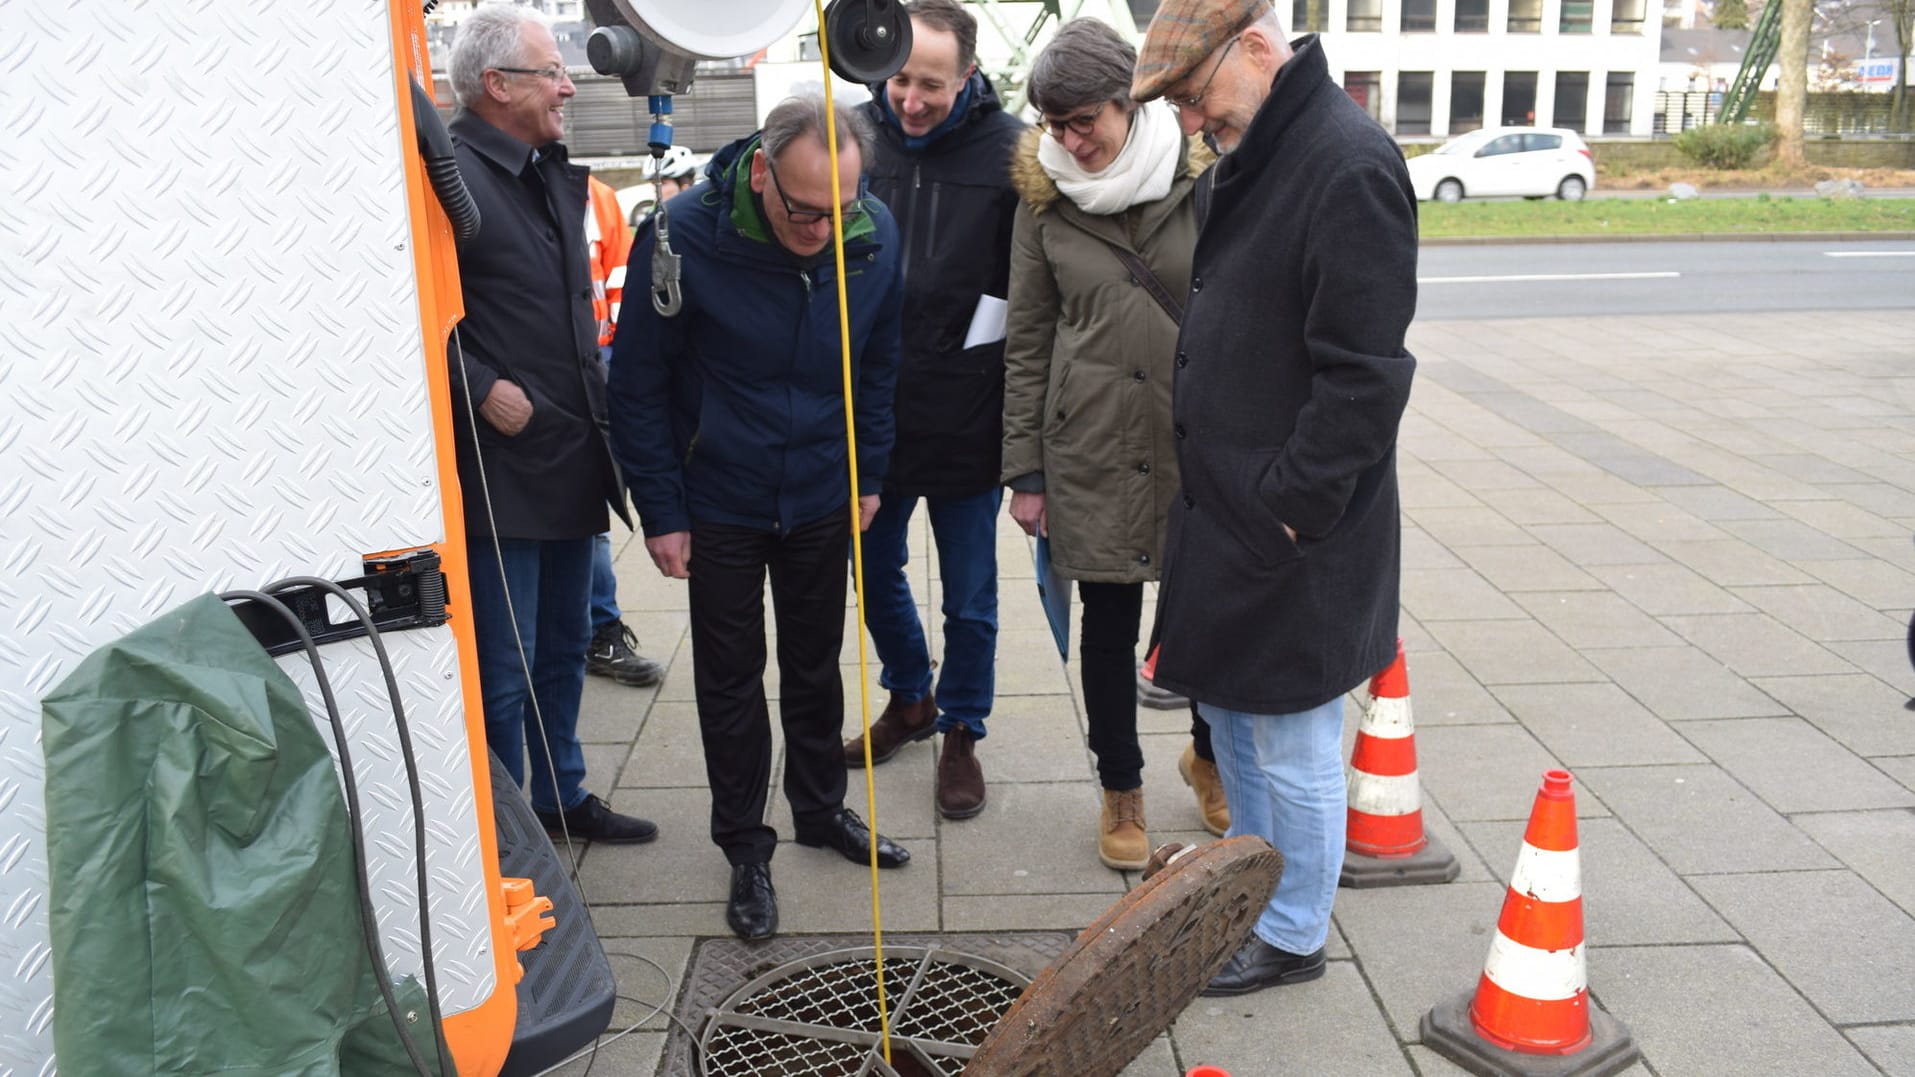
(987, 322)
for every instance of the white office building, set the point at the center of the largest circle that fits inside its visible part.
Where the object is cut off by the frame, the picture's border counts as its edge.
(1440, 67)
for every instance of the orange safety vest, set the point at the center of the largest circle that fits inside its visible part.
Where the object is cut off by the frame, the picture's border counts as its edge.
(608, 243)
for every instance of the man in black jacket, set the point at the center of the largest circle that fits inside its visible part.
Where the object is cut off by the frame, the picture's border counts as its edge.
(536, 470)
(943, 166)
(1280, 583)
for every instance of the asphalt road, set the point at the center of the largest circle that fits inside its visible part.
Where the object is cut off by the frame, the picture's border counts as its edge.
(1570, 279)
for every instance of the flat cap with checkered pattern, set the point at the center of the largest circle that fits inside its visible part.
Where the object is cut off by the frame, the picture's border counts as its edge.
(1182, 34)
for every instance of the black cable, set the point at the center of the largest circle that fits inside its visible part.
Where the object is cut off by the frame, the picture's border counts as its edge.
(403, 730)
(369, 924)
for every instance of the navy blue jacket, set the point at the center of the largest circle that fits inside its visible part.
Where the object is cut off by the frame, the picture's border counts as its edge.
(732, 412)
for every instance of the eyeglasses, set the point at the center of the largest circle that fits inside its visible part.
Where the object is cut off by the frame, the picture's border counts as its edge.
(552, 73)
(1083, 123)
(1196, 100)
(807, 215)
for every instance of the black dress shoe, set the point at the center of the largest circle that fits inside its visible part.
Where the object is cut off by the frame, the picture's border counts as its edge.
(595, 820)
(1258, 965)
(845, 832)
(752, 911)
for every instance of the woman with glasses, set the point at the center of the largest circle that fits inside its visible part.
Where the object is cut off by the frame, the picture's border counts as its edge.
(1100, 264)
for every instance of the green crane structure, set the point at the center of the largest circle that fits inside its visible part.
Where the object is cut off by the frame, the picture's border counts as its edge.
(1756, 59)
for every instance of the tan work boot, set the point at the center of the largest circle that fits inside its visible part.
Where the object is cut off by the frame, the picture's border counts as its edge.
(1201, 776)
(960, 776)
(900, 724)
(1121, 841)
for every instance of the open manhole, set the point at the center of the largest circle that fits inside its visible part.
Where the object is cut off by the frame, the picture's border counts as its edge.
(989, 969)
(818, 1016)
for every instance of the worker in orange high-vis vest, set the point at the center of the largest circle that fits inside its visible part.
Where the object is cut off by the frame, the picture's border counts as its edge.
(608, 243)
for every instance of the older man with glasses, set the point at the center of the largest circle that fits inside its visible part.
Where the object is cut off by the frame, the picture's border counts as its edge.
(536, 469)
(1280, 589)
(730, 421)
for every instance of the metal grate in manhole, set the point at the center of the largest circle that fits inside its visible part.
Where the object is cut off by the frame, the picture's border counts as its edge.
(974, 967)
(942, 1004)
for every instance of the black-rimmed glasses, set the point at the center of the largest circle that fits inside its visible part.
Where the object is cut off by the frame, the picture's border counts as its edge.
(1083, 123)
(806, 214)
(1196, 100)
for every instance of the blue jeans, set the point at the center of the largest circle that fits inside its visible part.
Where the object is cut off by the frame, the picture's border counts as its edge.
(549, 582)
(604, 585)
(965, 530)
(1283, 776)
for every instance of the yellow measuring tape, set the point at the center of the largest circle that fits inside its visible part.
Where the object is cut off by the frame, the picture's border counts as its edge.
(857, 534)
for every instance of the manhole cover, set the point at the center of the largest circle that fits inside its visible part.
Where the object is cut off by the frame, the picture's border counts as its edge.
(819, 1016)
(720, 967)
(1130, 974)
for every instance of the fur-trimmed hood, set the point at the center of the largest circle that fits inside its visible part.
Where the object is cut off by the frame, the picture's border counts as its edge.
(1038, 190)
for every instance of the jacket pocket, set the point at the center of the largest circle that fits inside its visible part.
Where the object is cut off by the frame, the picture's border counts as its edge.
(1256, 526)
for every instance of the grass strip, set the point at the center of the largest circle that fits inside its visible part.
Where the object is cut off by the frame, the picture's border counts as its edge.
(1751, 216)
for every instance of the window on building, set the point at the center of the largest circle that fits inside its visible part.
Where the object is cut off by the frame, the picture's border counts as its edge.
(1625, 17)
(1419, 16)
(1366, 89)
(1617, 100)
(1472, 16)
(1413, 94)
(1579, 17)
(1364, 15)
(1466, 101)
(1307, 16)
(1519, 98)
(1525, 16)
(1572, 99)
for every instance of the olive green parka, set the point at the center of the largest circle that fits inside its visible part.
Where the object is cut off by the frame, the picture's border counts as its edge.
(1087, 367)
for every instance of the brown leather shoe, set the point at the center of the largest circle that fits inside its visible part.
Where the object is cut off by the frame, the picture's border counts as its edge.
(900, 724)
(1201, 776)
(1121, 841)
(960, 776)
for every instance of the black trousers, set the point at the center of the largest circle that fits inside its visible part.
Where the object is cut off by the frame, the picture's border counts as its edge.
(807, 567)
(1108, 666)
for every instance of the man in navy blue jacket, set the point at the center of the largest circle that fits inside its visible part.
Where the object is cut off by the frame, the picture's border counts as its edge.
(729, 420)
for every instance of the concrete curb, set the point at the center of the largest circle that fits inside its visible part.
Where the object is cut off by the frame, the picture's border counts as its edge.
(1669, 237)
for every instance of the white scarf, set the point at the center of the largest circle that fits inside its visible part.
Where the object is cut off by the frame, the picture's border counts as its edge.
(1141, 172)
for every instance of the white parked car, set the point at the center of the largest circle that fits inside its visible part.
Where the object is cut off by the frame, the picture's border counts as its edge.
(1530, 161)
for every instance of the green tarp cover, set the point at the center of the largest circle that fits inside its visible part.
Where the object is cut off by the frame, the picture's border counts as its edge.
(205, 913)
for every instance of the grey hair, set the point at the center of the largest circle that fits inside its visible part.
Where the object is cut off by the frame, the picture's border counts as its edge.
(1271, 23)
(491, 37)
(802, 115)
(1086, 63)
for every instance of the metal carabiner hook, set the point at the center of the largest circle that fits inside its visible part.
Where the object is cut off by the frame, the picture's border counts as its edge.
(667, 299)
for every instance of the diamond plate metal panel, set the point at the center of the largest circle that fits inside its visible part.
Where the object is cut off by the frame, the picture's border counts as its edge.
(210, 377)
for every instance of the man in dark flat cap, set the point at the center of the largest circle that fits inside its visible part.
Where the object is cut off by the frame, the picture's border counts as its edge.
(1280, 589)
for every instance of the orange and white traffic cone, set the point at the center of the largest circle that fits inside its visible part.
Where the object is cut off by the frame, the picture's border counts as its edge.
(1531, 1015)
(1386, 844)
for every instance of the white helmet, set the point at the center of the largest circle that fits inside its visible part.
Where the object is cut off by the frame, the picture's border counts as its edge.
(678, 163)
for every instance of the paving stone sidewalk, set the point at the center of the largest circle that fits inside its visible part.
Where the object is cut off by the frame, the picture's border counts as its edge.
(1672, 554)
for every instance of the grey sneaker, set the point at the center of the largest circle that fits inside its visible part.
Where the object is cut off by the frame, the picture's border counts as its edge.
(612, 654)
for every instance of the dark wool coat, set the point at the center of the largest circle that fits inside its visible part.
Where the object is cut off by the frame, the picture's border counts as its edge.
(732, 411)
(953, 203)
(1087, 367)
(529, 320)
(1291, 380)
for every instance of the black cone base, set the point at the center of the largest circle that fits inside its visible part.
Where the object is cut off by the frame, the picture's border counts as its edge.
(1448, 1031)
(1429, 865)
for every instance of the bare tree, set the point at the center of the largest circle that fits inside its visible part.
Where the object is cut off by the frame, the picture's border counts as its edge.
(1792, 84)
